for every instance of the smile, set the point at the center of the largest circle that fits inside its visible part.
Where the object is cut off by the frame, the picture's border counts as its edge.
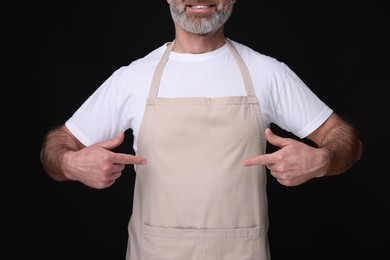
(199, 6)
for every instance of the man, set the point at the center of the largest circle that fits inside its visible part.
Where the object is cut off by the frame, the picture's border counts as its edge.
(200, 109)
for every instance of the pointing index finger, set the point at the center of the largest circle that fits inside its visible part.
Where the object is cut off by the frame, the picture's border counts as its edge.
(123, 158)
(263, 159)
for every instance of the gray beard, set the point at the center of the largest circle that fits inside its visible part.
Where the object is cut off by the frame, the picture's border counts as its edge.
(200, 25)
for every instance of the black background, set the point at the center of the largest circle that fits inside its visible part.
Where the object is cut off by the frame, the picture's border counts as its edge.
(57, 53)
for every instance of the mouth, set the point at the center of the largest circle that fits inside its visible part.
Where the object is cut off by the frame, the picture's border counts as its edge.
(199, 6)
(200, 9)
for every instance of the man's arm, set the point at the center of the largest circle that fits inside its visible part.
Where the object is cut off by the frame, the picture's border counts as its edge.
(56, 143)
(341, 141)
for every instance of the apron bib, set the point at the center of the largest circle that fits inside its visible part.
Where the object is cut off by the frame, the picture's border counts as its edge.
(193, 199)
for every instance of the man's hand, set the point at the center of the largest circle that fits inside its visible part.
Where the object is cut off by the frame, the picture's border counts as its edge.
(97, 166)
(294, 163)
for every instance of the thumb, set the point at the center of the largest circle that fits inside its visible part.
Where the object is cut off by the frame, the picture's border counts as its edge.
(274, 139)
(114, 142)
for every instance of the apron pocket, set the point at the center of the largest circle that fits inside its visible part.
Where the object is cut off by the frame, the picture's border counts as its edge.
(206, 244)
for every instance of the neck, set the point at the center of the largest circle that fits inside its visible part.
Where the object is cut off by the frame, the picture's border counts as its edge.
(186, 42)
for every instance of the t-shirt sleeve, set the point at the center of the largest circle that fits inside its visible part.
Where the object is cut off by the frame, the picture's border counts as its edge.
(97, 119)
(298, 109)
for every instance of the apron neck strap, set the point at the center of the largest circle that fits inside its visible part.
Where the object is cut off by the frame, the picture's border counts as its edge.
(243, 69)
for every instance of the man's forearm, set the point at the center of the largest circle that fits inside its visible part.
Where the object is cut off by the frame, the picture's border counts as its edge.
(344, 148)
(56, 143)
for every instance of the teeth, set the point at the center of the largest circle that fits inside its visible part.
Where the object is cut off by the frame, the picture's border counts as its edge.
(199, 6)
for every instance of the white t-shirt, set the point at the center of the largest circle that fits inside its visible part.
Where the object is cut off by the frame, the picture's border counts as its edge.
(119, 103)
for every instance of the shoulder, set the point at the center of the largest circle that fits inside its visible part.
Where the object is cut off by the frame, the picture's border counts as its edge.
(266, 71)
(251, 55)
(141, 67)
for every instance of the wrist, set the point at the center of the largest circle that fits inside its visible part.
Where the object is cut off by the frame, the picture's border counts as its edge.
(325, 158)
(67, 163)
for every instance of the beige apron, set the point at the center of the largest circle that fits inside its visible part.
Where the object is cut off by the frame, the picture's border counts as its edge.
(193, 199)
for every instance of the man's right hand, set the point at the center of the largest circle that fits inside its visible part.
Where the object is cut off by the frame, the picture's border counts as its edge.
(97, 166)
